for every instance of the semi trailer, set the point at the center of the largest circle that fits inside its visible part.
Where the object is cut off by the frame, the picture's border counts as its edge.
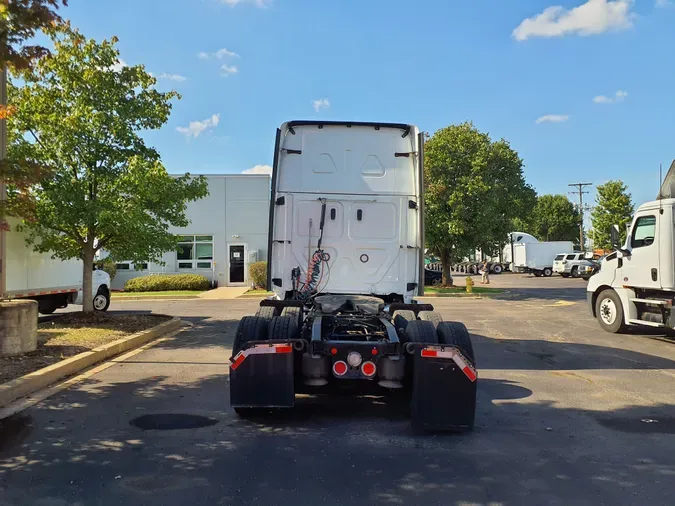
(345, 262)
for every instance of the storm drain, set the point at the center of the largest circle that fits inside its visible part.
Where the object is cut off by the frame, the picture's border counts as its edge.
(172, 421)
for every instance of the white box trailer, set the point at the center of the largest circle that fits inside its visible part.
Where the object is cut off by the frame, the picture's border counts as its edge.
(51, 282)
(346, 259)
(538, 257)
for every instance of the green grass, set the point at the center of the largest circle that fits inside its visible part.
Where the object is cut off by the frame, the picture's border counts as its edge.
(121, 295)
(258, 291)
(461, 289)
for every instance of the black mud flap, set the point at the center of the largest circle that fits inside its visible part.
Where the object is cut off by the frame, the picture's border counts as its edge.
(261, 376)
(444, 390)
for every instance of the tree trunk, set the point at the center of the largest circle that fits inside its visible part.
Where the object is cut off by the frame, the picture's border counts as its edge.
(87, 275)
(446, 262)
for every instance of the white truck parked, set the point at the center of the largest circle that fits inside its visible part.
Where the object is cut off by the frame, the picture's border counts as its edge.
(346, 260)
(636, 284)
(537, 257)
(51, 282)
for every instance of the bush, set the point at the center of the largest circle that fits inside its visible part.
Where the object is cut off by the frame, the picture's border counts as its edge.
(258, 274)
(162, 282)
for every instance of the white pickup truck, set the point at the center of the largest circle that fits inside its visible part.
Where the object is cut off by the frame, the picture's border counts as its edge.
(51, 282)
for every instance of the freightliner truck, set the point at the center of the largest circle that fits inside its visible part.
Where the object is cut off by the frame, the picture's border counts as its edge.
(636, 283)
(345, 262)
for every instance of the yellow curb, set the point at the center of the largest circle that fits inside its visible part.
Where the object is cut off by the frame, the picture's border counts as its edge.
(31, 382)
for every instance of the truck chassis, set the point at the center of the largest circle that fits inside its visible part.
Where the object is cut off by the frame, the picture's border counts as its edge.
(356, 343)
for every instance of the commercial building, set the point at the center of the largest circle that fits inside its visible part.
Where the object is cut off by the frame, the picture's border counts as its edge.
(227, 232)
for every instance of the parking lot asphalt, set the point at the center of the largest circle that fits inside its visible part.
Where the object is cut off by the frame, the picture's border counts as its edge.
(566, 414)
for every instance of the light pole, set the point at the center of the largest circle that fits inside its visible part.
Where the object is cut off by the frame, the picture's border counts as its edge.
(580, 191)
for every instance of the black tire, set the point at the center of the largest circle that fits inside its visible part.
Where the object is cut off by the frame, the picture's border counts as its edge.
(267, 312)
(295, 313)
(47, 310)
(575, 272)
(430, 316)
(537, 273)
(455, 334)
(251, 328)
(497, 268)
(607, 302)
(282, 328)
(547, 272)
(402, 317)
(419, 331)
(564, 275)
(101, 300)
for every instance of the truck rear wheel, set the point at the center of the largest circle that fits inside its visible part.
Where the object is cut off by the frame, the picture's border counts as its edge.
(267, 312)
(420, 331)
(295, 313)
(282, 328)
(455, 334)
(251, 328)
(609, 312)
(430, 316)
(402, 317)
(548, 272)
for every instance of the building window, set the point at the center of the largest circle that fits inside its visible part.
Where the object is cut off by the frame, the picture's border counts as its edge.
(195, 252)
(128, 266)
(123, 266)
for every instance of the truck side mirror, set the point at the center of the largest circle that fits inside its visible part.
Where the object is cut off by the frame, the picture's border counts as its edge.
(614, 237)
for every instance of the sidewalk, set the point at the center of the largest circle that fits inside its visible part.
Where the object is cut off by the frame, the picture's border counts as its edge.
(224, 292)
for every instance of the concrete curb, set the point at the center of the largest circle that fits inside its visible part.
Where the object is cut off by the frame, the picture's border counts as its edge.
(31, 382)
(255, 296)
(464, 295)
(155, 297)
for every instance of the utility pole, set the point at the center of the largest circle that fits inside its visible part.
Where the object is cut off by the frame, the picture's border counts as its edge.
(580, 191)
(3, 187)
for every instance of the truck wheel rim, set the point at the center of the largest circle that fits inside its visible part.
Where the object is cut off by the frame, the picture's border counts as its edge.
(99, 302)
(608, 311)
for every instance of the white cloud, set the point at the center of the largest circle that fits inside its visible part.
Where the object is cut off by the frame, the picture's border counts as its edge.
(226, 70)
(257, 3)
(619, 96)
(590, 18)
(322, 103)
(196, 128)
(220, 54)
(172, 77)
(258, 169)
(552, 118)
(664, 3)
(117, 67)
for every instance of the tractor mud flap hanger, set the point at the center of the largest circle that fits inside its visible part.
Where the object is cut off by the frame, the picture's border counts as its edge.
(262, 375)
(444, 389)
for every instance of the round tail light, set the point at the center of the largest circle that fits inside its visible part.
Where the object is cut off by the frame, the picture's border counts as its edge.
(340, 368)
(368, 369)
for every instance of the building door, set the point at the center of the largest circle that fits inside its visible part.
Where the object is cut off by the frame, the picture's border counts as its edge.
(237, 263)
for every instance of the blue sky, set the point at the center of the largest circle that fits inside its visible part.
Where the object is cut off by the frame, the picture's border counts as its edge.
(583, 91)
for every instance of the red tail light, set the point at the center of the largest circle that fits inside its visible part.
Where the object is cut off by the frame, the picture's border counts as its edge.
(340, 368)
(368, 369)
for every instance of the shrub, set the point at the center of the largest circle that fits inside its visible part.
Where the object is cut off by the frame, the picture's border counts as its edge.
(258, 273)
(162, 282)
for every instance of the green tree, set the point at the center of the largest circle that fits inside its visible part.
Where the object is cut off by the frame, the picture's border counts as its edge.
(474, 188)
(20, 20)
(555, 218)
(614, 206)
(81, 114)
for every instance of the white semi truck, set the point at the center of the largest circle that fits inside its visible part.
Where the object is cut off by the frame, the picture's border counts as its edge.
(53, 283)
(636, 284)
(345, 261)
